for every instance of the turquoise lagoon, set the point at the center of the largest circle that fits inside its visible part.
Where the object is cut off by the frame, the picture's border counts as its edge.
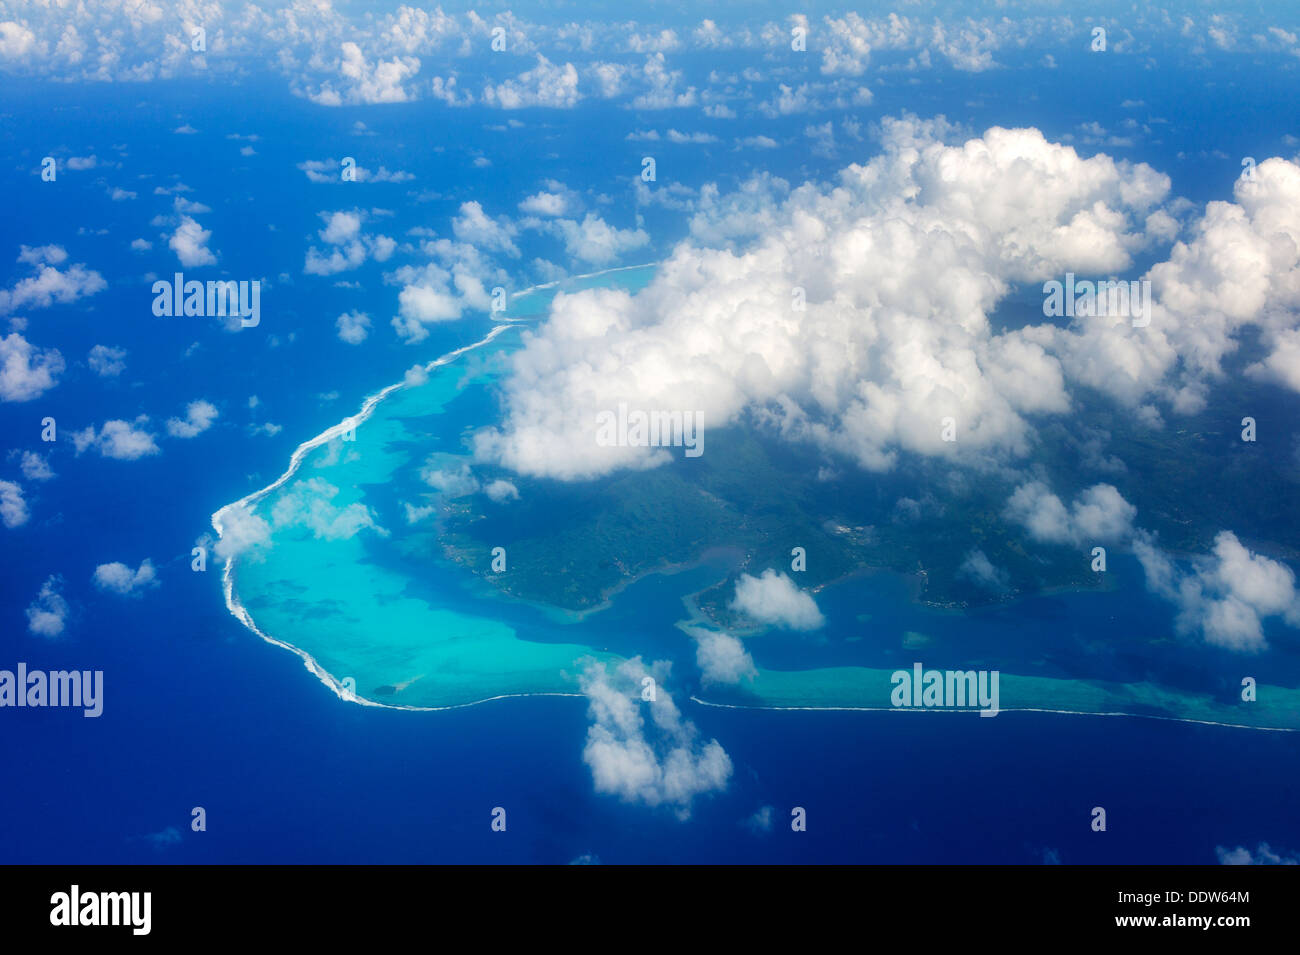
(379, 613)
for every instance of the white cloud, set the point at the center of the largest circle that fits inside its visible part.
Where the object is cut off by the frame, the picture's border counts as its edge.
(1098, 515)
(16, 40)
(35, 467)
(546, 85)
(363, 81)
(721, 657)
(106, 361)
(557, 201)
(1263, 855)
(310, 504)
(190, 243)
(49, 285)
(662, 86)
(123, 440)
(1225, 595)
(353, 327)
(595, 242)
(48, 613)
(242, 532)
(773, 598)
(351, 246)
(13, 508)
(121, 579)
(330, 171)
(882, 353)
(474, 226)
(199, 416)
(452, 482)
(659, 763)
(501, 491)
(26, 372)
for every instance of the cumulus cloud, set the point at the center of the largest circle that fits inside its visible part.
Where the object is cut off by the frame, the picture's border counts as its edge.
(501, 491)
(199, 416)
(48, 613)
(350, 246)
(879, 354)
(123, 440)
(1225, 595)
(546, 84)
(721, 657)
(594, 241)
(363, 81)
(773, 598)
(190, 243)
(242, 532)
(660, 762)
(49, 284)
(118, 578)
(1098, 515)
(13, 508)
(353, 327)
(553, 202)
(26, 371)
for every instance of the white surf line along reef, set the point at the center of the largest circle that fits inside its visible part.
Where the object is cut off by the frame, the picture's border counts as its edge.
(240, 612)
(1004, 709)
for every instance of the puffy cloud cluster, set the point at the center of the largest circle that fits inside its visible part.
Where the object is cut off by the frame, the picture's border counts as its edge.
(662, 762)
(1225, 595)
(123, 440)
(546, 84)
(854, 316)
(347, 246)
(773, 598)
(1099, 515)
(463, 268)
(118, 578)
(49, 284)
(361, 81)
(199, 416)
